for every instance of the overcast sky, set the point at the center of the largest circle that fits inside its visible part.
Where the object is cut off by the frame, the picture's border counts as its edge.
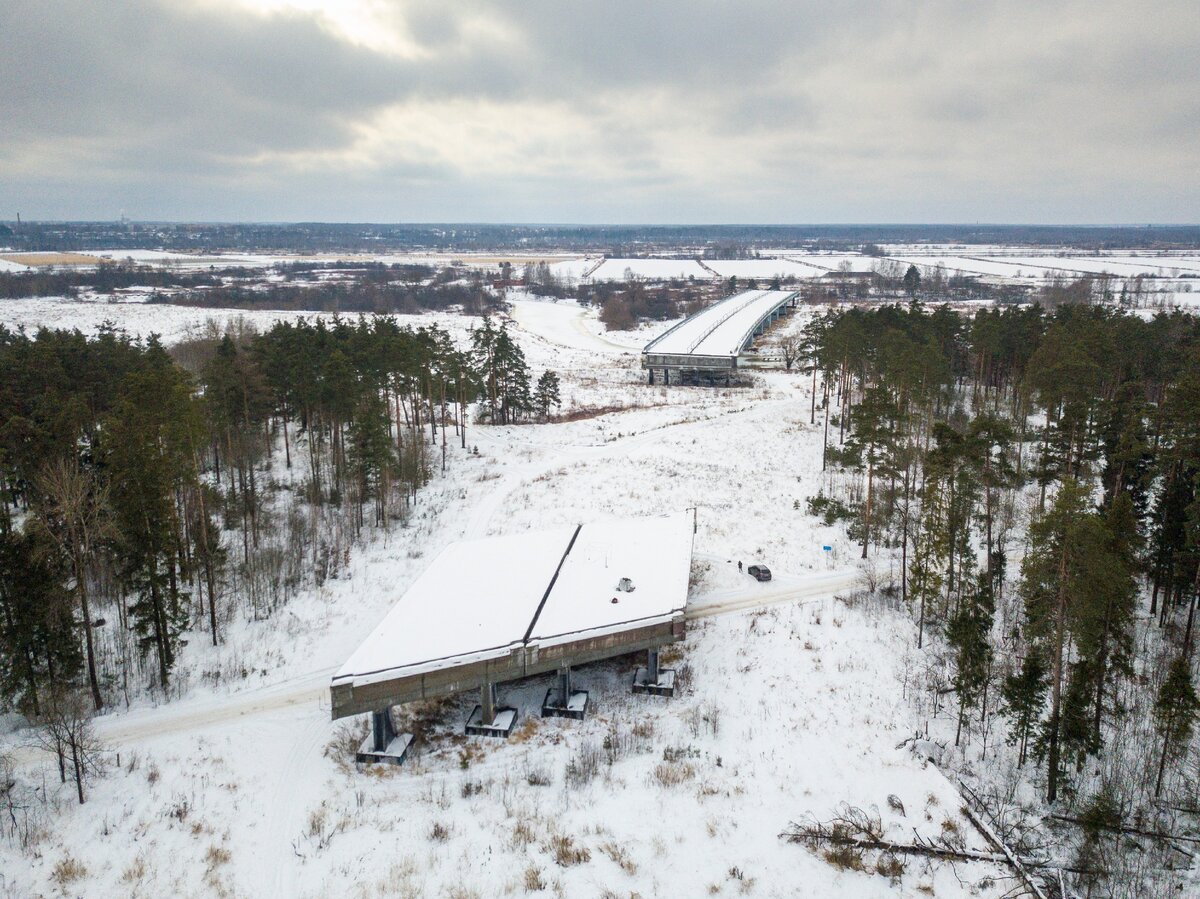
(601, 110)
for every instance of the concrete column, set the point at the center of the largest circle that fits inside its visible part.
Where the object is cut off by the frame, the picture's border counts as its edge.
(382, 732)
(487, 702)
(564, 685)
(652, 666)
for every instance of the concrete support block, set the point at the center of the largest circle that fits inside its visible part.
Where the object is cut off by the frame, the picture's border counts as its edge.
(652, 680)
(383, 745)
(563, 702)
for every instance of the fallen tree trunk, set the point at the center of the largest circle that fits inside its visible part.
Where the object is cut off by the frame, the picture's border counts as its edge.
(994, 840)
(819, 835)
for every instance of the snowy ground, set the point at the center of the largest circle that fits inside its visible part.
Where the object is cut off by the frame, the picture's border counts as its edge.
(790, 703)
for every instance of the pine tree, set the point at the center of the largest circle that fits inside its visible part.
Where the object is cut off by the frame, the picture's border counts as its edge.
(967, 633)
(547, 393)
(1023, 696)
(1175, 713)
(151, 463)
(927, 563)
(39, 643)
(1069, 577)
(912, 281)
(874, 432)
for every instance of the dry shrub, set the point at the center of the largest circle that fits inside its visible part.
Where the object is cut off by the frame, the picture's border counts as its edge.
(421, 718)
(533, 880)
(472, 752)
(525, 731)
(343, 746)
(135, 873)
(583, 765)
(672, 774)
(440, 832)
(566, 853)
(472, 788)
(683, 678)
(580, 413)
(217, 856)
(738, 876)
(620, 856)
(889, 866)
(68, 870)
(704, 717)
(669, 655)
(844, 858)
(538, 776)
(619, 742)
(522, 835)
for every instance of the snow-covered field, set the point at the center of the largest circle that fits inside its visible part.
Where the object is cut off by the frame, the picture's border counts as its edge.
(762, 268)
(615, 269)
(792, 704)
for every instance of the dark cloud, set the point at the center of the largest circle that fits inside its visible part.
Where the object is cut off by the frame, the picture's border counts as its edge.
(622, 110)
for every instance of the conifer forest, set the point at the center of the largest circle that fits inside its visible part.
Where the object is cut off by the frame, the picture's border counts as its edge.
(140, 503)
(1036, 476)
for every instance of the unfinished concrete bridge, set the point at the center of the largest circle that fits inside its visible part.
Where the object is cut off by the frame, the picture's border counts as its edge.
(500, 609)
(706, 346)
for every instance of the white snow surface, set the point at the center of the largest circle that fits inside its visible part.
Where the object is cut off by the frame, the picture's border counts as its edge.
(762, 268)
(652, 269)
(722, 328)
(478, 598)
(475, 601)
(654, 553)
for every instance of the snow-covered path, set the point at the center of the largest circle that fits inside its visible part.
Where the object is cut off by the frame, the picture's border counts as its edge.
(565, 324)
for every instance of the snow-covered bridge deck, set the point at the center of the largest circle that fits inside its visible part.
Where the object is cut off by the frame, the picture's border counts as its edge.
(502, 608)
(713, 338)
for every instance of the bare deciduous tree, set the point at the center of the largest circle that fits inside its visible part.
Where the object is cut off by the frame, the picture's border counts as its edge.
(791, 347)
(65, 729)
(74, 512)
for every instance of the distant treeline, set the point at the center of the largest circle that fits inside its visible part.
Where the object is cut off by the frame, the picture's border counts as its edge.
(374, 238)
(103, 279)
(305, 286)
(341, 296)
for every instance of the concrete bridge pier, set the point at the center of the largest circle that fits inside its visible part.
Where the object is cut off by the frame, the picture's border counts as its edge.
(383, 731)
(653, 680)
(487, 702)
(562, 701)
(564, 684)
(383, 744)
(489, 719)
